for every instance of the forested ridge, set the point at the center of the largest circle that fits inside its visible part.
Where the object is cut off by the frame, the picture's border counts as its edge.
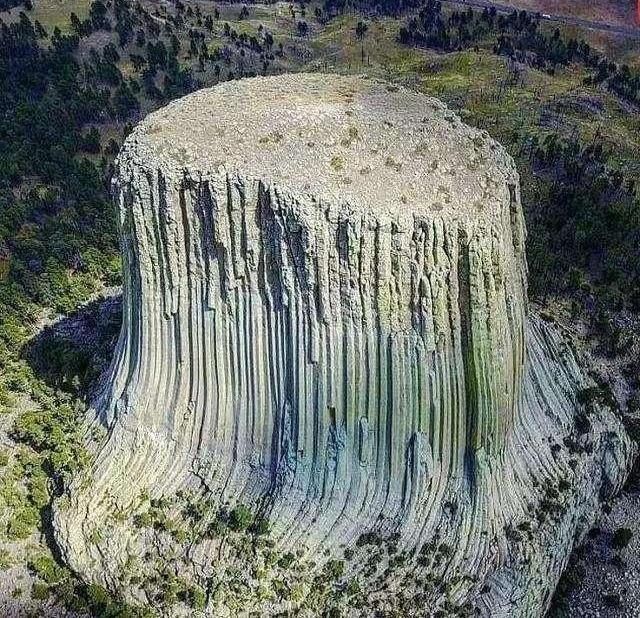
(65, 108)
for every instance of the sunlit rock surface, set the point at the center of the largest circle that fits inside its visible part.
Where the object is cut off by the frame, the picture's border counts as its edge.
(325, 318)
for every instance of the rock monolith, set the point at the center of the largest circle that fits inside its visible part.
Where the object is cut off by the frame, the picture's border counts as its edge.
(325, 320)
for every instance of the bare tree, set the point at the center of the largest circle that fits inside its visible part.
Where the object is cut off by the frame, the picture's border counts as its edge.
(361, 31)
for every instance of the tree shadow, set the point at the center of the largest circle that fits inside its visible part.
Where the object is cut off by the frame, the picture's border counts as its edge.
(73, 352)
(70, 355)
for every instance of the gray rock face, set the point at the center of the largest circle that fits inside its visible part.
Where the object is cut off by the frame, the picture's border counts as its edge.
(325, 318)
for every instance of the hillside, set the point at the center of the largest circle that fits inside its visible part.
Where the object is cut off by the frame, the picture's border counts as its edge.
(616, 12)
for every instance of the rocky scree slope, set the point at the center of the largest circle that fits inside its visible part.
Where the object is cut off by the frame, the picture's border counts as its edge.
(325, 319)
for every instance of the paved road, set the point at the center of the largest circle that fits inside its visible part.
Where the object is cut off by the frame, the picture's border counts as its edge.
(625, 31)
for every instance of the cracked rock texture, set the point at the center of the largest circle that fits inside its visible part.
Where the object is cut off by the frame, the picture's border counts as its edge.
(325, 318)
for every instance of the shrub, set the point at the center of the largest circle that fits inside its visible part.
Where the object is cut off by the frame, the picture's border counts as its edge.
(194, 597)
(240, 518)
(46, 568)
(195, 508)
(583, 424)
(337, 163)
(97, 597)
(5, 559)
(22, 523)
(353, 588)
(369, 538)
(143, 520)
(621, 538)
(40, 591)
(611, 600)
(68, 593)
(286, 560)
(334, 569)
(261, 526)
(216, 528)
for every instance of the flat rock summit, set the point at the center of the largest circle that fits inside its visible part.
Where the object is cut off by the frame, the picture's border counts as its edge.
(327, 355)
(376, 148)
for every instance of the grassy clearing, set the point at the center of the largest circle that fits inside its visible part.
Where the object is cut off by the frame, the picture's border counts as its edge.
(53, 13)
(336, 48)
